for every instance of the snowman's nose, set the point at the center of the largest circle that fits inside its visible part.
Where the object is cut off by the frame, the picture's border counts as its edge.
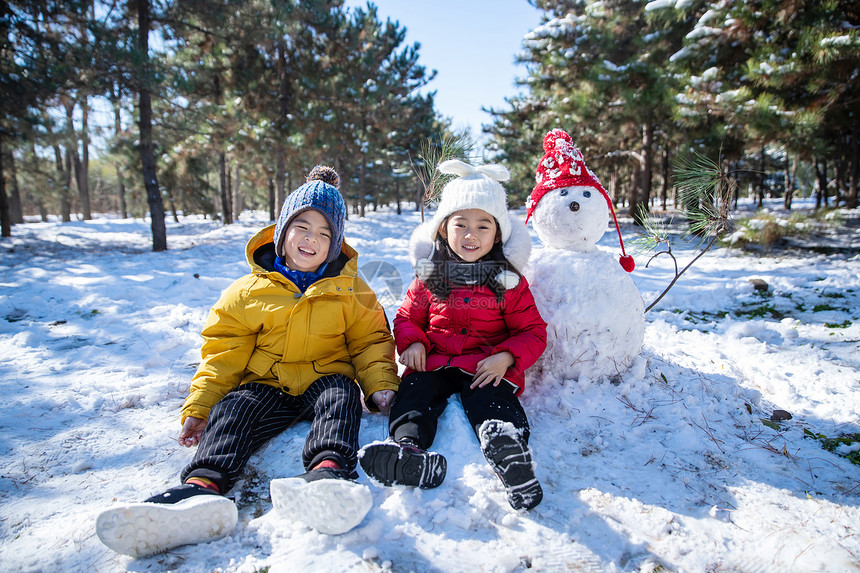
(574, 206)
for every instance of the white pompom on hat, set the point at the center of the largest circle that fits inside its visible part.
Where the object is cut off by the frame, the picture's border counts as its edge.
(474, 188)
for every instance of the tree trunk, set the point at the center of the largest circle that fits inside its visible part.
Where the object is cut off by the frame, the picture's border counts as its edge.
(237, 196)
(664, 190)
(635, 196)
(172, 203)
(72, 157)
(613, 184)
(271, 199)
(82, 166)
(397, 195)
(115, 97)
(838, 180)
(640, 179)
(362, 175)
(640, 209)
(147, 157)
(223, 168)
(821, 182)
(760, 183)
(16, 210)
(5, 219)
(789, 183)
(123, 208)
(735, 188)
(280, 176)
(64, 173)
(854, 172)
(226, 217)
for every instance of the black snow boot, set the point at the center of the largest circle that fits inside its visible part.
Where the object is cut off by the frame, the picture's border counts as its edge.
(403, 463)
(509, 455)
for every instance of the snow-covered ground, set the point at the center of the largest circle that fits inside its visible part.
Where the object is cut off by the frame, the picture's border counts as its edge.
(676, 467)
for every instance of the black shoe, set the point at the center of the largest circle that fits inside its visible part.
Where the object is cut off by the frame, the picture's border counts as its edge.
(511, 459)
(403, 463)
(180, 493)
(328, 473)
(185, 514)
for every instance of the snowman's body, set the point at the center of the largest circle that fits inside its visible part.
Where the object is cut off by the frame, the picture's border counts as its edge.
(594, 312)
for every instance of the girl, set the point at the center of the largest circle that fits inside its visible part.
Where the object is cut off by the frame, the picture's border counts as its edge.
(469, 326)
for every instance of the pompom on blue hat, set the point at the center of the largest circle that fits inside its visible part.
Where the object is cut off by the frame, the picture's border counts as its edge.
(320, 193)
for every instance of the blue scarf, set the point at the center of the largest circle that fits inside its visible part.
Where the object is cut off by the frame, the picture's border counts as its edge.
(302, 279)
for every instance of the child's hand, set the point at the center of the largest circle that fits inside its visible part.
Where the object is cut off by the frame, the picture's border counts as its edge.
(492, 369)
(191, 431)
(415, 357)
(383, 400)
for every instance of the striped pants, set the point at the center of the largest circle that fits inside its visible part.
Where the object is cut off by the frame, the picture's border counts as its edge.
(251, 415)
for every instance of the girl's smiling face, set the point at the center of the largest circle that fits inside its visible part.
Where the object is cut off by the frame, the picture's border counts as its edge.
(471, 233)
(307, 241)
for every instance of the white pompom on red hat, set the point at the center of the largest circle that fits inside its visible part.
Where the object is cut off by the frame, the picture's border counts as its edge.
(563, 165)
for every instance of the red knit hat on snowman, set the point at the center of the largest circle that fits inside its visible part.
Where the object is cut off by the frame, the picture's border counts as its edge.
(564, 166)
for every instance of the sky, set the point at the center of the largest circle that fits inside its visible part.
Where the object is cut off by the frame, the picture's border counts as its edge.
(471, 44)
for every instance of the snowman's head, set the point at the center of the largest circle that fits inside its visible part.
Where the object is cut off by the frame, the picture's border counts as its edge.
(570, 207)
(572, 218)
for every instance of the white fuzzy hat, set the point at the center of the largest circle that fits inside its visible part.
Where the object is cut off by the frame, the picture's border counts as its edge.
(475, 188)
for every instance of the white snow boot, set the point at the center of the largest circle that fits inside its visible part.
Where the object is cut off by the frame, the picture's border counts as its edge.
(326, 500)
(509, 455)
(185, 514)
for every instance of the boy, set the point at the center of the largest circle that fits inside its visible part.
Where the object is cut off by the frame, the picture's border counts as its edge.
(285, 343)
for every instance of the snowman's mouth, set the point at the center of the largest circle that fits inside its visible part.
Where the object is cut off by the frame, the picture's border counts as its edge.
(574, 206)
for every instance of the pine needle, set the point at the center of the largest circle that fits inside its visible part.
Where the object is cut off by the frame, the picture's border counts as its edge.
(435, 151)
(705, 193)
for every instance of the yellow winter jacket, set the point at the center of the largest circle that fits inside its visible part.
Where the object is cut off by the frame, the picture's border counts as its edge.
(263, 329)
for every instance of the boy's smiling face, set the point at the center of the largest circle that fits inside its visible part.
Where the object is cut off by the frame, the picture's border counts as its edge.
(307, 241)
(471, 233)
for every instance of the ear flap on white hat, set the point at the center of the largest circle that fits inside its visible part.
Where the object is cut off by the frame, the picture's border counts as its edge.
(517, 250)
(421, 249)
(518, 247)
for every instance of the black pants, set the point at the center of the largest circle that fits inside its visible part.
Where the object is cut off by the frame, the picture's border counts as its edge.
(251, 415)
(422, 398)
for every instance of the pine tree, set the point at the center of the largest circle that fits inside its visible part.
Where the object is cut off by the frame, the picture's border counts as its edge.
(597, 69)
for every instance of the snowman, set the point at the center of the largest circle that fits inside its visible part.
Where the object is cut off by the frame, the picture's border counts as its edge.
(594, 312)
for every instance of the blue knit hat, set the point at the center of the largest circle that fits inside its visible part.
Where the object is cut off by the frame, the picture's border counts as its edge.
(321, 194)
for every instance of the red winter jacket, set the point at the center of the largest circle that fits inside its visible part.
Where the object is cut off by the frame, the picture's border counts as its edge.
(471, 325)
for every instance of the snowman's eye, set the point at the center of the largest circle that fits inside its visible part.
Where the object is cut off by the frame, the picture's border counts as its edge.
(563, 192)
(586, 193)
